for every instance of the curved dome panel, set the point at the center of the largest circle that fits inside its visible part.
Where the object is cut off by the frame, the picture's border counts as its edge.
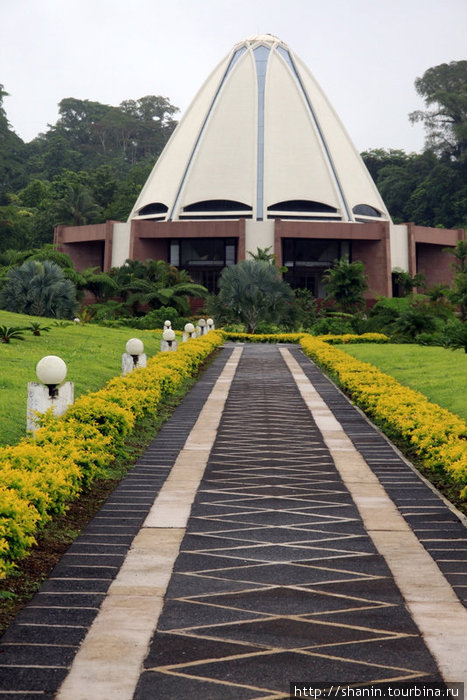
(260, 132)
(294, 161)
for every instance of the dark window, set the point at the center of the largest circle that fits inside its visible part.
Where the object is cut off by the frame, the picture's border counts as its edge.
(154, 208)
(306, 260)
(366, 210)
(203, 258)
(302, 205)
(217, 205)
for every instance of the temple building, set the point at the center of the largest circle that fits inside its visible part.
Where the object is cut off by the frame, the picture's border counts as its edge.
(261, 160)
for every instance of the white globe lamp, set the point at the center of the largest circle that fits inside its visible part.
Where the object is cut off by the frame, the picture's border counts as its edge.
(135, 347)
(51, 371)
(168, 335)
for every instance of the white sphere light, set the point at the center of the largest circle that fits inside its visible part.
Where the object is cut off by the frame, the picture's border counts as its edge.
(168, 324)
(201, 322)
(210, 322)
(51, 370)
(189, 328)
(168, 335)
(135, 346)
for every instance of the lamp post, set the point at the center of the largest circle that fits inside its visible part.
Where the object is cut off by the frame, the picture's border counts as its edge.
(134, 357)
(168, 341)
(188, 332)
(201, 326)
(48, 392)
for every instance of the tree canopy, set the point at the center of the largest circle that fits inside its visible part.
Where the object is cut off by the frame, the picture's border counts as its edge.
(444, 89)
(252, 292)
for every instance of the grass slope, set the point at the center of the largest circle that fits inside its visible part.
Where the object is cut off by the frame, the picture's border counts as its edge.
(439, 374)
(93, 355)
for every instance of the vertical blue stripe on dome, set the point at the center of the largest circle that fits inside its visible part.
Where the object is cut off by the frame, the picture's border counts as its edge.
(261, 59)
(288, 59)
(232, 62)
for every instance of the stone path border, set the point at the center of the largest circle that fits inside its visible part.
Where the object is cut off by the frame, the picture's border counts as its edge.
(40, 645)
(436, 609)
(109, 661)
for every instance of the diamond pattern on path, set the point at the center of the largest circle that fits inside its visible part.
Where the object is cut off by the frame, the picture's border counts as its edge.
(277, 579)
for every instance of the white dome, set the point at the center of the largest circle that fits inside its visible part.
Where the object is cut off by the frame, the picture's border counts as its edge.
(260, 141)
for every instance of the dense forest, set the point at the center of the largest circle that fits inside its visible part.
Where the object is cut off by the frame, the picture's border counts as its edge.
(91, 164)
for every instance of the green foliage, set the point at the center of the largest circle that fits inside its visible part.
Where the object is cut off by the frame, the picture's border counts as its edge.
(306, 307)
(332, 323)
(444, 89)
(156, 284)
(413, 321)
(8, 333)
(455, 335)
(38, 288)
(252, 293)
(426, 188)
(345, 283)
(406, 282)
(156, 319)
(77, 207)
(36, 328)
(416, 317)
(459, 293)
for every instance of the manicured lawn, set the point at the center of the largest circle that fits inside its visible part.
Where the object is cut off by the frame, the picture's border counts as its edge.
(438, 373)
(93, 355)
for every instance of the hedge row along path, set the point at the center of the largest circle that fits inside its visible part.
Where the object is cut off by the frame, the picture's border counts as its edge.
(269, 535)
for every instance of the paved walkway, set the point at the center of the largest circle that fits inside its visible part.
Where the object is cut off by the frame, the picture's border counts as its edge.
(269, 535)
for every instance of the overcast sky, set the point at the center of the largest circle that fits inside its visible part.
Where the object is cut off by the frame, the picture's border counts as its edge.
(366, 54)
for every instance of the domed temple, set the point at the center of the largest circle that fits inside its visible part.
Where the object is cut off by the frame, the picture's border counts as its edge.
(261, 160)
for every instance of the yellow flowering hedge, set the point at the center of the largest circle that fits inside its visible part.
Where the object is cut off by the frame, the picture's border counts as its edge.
(297, 337)
(264, 337)
(434, 434)
(39, 476)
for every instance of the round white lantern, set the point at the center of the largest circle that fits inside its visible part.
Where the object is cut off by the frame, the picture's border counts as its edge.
(51, 370)
(168, 335)
(201, 323)
(167, 324)
(135, 346)
(210, 322)
(189, 328)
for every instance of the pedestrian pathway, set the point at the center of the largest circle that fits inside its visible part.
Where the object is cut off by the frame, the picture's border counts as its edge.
(269, 536)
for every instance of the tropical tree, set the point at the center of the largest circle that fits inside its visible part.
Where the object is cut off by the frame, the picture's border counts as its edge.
(459, 292)
(100, 284)
(38, 288)
(251, 292)
(407, 282)
(345, 284)
(444, 89)
(77, 207)
(155, 283)
(455, 335)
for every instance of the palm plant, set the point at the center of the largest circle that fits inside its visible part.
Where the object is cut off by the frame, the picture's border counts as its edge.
(38, 288)
(78, 207)
(8, 333)
(155, 283)
(345, 283)
(36, 328)
(251, 292)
